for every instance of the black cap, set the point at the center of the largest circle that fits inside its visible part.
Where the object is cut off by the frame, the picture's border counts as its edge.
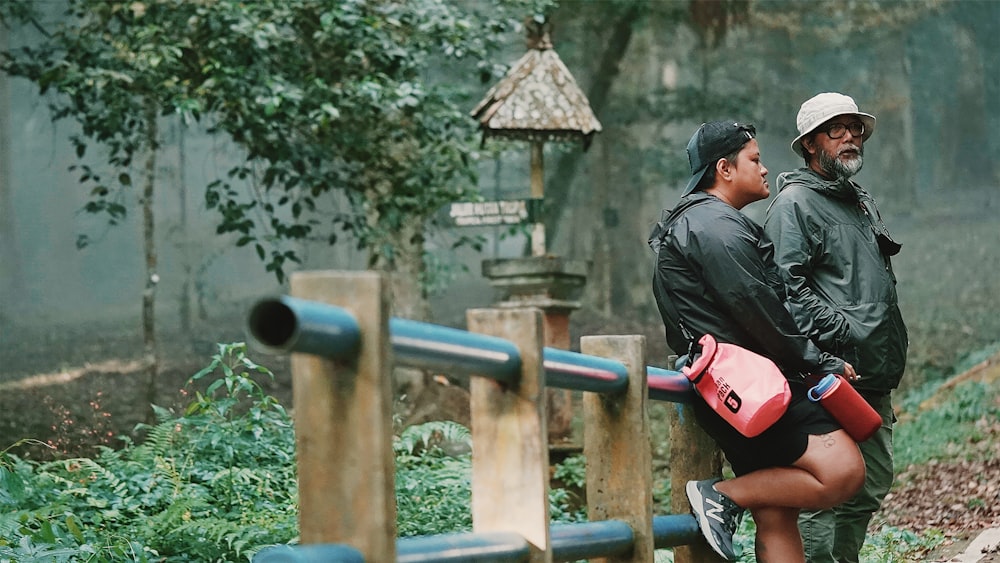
(711, 142)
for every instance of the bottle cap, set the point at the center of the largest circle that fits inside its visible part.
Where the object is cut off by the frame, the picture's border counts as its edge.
(825, 386)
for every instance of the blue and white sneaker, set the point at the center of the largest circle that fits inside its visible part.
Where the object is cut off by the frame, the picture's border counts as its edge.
(717, 515)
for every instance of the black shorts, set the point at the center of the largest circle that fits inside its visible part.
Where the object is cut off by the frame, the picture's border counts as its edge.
(781, 444)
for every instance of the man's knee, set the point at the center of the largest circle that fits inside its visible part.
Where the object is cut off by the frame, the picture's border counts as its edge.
(817, 530)
(866, 500)
(878, 479)
(879, 471)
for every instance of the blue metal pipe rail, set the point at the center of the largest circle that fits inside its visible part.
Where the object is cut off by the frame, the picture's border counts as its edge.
(668, 385)
(570, 542)
(289, 324)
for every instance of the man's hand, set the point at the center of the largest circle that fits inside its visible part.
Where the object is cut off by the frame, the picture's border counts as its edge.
(849, 373)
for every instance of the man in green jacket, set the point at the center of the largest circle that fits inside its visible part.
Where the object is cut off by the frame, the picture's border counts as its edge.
(833, 251)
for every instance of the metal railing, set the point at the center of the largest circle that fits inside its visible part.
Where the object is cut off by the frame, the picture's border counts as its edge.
(288, 324)
(570, 542)
(341, 395)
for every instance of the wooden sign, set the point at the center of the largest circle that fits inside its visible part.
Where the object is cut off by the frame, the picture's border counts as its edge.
(495, 213)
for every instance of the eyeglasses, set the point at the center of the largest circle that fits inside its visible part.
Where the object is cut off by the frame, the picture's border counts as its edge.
(837, 130)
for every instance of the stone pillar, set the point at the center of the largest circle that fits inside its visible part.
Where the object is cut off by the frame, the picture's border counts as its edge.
(554, 285)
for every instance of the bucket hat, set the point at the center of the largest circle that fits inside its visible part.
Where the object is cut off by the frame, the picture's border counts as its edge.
(818, 109)
(711, 142)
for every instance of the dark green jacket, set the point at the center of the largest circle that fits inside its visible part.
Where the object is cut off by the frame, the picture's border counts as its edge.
(832, 249)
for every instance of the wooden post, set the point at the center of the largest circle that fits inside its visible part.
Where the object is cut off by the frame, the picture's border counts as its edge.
(538, 192)
(616, 445)
(510, 456)
(693, 456)
(343, 423)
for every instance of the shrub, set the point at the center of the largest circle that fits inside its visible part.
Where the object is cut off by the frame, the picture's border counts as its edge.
(433, 489)
(214, 483)
(952, 429)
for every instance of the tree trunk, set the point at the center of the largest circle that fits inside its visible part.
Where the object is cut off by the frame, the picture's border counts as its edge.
(409, 300)
(406, 267)
(560, 182)
(182, 222)
(149, 248)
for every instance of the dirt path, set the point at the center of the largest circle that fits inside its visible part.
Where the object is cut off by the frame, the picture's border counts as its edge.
(960, 497)
(96, 390)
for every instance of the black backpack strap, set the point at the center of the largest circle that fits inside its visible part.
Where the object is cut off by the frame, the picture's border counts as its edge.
(672, 310)
(655, 242)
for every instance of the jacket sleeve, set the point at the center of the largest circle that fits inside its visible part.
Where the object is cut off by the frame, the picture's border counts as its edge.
(795, 243)
(731, 259)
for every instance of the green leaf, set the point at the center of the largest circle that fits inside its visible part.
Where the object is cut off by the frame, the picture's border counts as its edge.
(74, 529)
(330, 110)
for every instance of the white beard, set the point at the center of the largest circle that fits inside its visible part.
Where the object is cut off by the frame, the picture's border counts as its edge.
(839, 168)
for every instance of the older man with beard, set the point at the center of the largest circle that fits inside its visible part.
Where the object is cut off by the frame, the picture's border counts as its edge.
(833, 251)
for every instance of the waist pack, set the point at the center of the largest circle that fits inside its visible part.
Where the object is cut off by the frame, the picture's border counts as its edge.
(744, 388)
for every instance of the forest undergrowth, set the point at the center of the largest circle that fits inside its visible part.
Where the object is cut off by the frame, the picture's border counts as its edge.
(215, 480)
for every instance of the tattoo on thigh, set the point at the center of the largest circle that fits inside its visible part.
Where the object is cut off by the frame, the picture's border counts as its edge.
(828, 440)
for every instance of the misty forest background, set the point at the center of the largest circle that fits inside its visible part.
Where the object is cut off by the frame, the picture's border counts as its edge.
(72, 286)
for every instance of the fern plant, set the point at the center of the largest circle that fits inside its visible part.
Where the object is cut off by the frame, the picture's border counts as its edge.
(216, 482)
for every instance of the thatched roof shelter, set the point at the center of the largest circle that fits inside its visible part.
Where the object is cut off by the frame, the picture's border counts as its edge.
(538, 99)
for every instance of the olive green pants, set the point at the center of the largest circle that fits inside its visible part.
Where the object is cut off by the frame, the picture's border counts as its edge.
(836, 535)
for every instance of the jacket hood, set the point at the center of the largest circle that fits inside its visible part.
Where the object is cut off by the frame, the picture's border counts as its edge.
(667, 216)
(842, 189)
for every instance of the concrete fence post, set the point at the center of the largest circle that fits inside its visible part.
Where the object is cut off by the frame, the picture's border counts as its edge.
(510, 456)
(343, 423)
(617, 448)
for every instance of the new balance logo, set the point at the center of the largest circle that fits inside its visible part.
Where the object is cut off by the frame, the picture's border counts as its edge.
(715, 512)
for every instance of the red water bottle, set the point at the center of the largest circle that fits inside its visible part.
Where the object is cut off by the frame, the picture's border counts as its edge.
(847, 406)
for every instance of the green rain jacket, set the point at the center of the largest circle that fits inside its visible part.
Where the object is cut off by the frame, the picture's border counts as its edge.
(833, 251)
